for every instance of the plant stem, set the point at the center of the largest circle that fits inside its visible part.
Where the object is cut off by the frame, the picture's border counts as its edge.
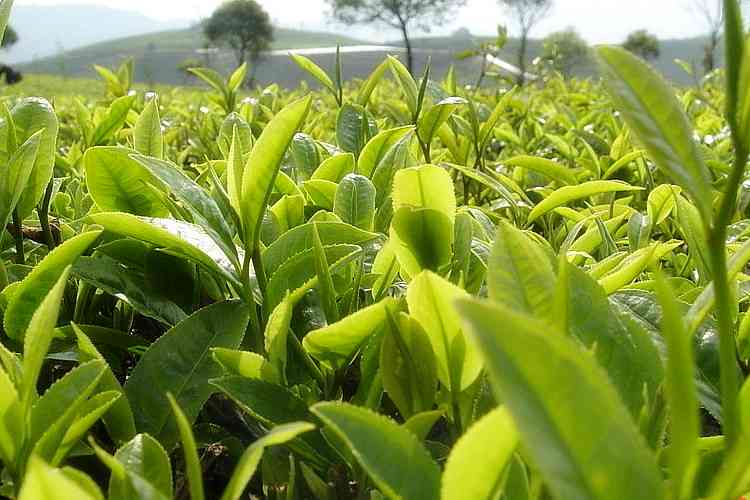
(260, 274)
(43, 211)
(313, 368)
(17, 223)
(255, 326)
(727, 346)
(425, 151)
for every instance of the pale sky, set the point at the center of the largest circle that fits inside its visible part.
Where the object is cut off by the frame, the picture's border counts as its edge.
(599, 21)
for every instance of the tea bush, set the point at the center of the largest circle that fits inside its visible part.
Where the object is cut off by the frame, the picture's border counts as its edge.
(393, 288)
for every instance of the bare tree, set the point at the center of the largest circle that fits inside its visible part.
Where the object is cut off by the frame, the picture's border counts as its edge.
(711, 13)
(526, 15)
(402, 15)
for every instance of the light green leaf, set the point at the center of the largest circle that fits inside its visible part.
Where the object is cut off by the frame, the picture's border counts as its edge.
(146, 468)
(119, 419)
(147, 135)
(431, 121)
(567, 194)
(406, 81)
(39, 332)
(237, 78)
(684, 429)
(176, 237)
(13, 425)
(337, 343)
(550, 168)
(477, 464)
(5, 6)
(193, 468)
(13, 182)
(113, 121)
(246, 364)
(634, 264)
(202, 206)
(235, 170)
(263, 165)
(321, 193)
(652, 111)
(119, 183)
(422, 240)
(275, 335)
(249, 460)
(315, 71)
(45, 482)
(569, 417)
(31, 115)
(355, 201)
(300, 238)
(33, 290)
(661, 202)
(407, 365)
(53, 407)
(335, 168)
(390, 454)
(427, 186)
(367, 88)
(89, 413)
(431, 300)
(520, 274)
(211, 77)
(377, 149)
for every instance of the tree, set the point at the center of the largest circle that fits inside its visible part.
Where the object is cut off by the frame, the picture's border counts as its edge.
(10, 75)
(243, 26)
(526, 14)
(565, 50)
(711, 13)
(402, 15)
(10, 38)
(643, 44)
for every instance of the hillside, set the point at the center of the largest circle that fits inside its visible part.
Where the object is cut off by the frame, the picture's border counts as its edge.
(158, 55)
(47, 30)
(687, 49)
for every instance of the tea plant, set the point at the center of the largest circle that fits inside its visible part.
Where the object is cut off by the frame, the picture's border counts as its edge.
(393, 288)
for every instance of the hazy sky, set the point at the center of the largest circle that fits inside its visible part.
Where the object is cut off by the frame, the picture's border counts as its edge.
(597, 20)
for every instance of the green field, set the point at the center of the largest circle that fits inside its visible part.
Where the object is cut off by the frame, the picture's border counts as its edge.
(390, 287)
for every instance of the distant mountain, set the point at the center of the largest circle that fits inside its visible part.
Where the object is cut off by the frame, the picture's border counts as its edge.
(158, 54)
(48, 30)
(686, 49)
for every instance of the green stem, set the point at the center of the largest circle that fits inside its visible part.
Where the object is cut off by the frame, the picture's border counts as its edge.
(426, 151)
(457, 423)
(727, 346)
(18, 236)
(254, 326)
(43, 211)
(260, 275)
(307, 360)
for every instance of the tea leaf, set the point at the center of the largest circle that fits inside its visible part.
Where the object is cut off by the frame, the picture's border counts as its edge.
(493, 438)
(391, 455)
(651, 110)
(564, 408)
(179, 363)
